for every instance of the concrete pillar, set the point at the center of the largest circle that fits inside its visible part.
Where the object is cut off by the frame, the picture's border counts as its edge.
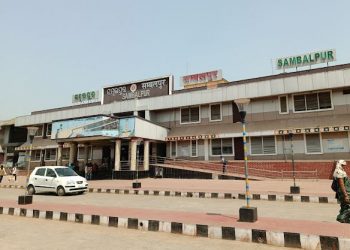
(59, 154)
(146, 155)
(86, 153)
(29, 160)
(206, 149)
(118, 145)
(136, 113)
(73, 150)
(147, 115)
(133, 146)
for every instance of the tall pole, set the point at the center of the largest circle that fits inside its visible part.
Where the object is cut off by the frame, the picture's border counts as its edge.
(246, 213)
(247, 193)
(293, 189)
(137, 162)
(28, 199)
(293, 166)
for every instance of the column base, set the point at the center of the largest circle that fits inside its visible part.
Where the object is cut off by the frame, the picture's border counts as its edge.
(25, 199)
(295, 190)
(136, 185)
(248, 214)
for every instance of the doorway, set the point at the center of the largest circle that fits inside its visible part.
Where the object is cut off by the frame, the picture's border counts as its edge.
(239, 148)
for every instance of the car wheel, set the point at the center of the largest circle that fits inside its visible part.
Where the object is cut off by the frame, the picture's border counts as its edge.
(60, 191)
(30, 190)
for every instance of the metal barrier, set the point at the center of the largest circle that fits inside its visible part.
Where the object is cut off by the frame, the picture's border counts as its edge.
(217, 167)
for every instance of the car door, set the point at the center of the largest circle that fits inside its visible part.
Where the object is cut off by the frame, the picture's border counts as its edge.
(38, 180)
(50, 180)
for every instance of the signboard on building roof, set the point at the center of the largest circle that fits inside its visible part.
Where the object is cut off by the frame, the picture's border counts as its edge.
(140, 89)
(86, 97)
(306, 59)
(205, 77)
(93, 126)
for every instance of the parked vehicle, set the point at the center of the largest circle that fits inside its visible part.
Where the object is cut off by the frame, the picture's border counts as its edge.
(55, 179)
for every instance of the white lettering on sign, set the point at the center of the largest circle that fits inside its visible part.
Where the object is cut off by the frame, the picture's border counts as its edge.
(136, 94)
(154, 84)
(122, 90)
(116, 91)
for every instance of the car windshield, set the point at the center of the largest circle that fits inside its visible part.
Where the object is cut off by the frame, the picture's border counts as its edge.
(65, 172)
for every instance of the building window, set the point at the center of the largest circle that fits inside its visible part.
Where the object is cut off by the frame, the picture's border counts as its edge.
(39, 132)
(313, 143)
(36, 155)
(173, 149)
(50, 154)
(65, 153)
(262, 145)
(190, 115)
(81, 153)
(49, 129)
(215, 112)
(194, 148)
(283, 101)
(313, 101)
(222, 146)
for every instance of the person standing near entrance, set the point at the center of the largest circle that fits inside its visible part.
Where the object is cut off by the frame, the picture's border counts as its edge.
(342, 191)
(2, 172)
(224, 164)
(14, 172)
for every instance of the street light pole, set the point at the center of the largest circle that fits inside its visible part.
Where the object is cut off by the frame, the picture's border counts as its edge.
(137, 184)
(246, 213)
(28, 199)
(247, 192)
(293, 189)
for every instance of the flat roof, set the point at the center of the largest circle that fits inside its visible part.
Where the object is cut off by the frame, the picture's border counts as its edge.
(244, 81)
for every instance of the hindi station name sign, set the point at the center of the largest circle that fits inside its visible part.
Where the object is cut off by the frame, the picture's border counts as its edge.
(205, 77)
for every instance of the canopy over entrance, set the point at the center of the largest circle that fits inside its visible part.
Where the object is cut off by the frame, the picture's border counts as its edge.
(104, 127)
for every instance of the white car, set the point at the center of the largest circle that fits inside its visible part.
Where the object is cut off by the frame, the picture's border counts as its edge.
(55, 179)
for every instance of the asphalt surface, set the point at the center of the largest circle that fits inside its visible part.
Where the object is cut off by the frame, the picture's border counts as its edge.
(277, 209)
(17, 233)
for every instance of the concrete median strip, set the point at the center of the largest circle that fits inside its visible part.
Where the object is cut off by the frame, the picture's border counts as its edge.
(214, 195)
(270, 237)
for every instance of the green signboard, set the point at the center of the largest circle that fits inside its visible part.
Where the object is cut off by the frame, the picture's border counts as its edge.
(306, 59)
(90, 96)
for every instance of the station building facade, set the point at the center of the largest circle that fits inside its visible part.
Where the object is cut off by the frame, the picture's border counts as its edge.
(140, 121)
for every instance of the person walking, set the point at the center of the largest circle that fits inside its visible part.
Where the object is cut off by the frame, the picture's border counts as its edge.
(14, 172)
(86, 170)
(224, 164)
(342, 191)
(2, 172)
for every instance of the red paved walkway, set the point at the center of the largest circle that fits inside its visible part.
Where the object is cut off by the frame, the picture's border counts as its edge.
(268, 224)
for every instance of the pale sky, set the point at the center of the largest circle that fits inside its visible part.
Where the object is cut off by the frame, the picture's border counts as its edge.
(52, 49)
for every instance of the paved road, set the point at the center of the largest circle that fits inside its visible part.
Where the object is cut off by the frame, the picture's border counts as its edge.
(275, 209)
(307, 187)
(17, 233)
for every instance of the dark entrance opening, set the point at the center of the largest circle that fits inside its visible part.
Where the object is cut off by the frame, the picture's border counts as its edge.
(139, 152)
(239, 149)
(106, 166)
(161, 152)
(124, 152)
